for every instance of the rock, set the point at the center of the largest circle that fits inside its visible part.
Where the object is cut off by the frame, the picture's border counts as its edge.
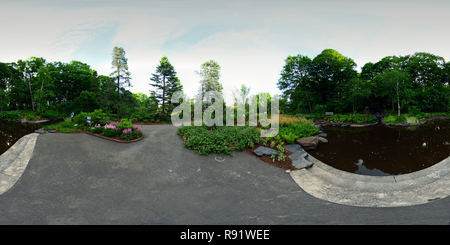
(52, 131)
(323, 135)
(309, 143)
(40, 131)
(260, 151)
(293, 148)
(322, 140)
(300, 160)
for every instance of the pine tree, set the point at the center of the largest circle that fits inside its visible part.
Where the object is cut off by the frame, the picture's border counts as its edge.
(166, 83)
(120, 73)
(210, 73)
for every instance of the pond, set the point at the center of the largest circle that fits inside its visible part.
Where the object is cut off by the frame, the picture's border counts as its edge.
(11, 132)
(385, 150)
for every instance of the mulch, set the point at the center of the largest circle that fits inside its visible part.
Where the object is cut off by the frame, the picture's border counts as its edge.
(286, 164)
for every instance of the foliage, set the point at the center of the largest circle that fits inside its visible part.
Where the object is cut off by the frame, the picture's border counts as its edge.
(120, 74)
(394, 119)
(298, 130)
(210, 74)
(50, 114)
(97, 116)
(63, 127)
(351, 118)
(10, 115)
(85, 102)
(166, 82)
(222, 140)
(127, 134)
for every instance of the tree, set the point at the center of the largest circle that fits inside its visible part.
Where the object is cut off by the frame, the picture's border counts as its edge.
(357, 89)
(166, 83)
(30, 68)
(120, 73)
(210, 74)
(241, 96)
(295, 82)
(330, 72)
(398, 81)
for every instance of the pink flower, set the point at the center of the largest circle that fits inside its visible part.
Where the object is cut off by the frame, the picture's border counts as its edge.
(127, 130)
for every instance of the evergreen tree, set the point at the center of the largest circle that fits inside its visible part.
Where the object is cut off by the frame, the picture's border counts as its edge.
(120, 73)
(210, 73)
(166, 83)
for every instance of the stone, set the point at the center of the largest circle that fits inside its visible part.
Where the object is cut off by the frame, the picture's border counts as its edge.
(309, 143)
(260, 151)
(300, 160)
(293, 148)
(323, 135)
(322, 140)
(52, 131)
(40, 131)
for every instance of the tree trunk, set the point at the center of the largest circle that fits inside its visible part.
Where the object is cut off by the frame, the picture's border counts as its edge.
(309, 102)
(118, 89)
(31, 94)
(164, 93)
(398, 100)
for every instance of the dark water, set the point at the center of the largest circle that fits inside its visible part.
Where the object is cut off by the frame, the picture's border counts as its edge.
(385, 150)
(11, 132)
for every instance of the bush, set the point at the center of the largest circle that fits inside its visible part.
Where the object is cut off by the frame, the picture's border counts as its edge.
(222, 140)
(96, 117)
(50, 114)
(394, 119)
(299, 130)
(10, 115)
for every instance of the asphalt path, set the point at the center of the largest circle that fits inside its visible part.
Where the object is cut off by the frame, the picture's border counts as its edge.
(83, 179)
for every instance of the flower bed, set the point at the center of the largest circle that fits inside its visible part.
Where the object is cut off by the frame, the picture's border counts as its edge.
(122, 131)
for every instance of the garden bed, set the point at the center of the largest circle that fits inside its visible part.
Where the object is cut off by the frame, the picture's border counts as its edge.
(115, 138)
(286, 164)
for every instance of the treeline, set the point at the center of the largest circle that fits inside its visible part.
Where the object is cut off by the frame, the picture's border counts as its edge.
(329, 82)
(56, 89)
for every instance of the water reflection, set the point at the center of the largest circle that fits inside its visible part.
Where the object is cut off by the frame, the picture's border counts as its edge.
(11, 132)
(385, 150)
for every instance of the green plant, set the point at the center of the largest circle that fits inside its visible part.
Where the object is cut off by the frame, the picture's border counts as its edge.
(289, 138)
(272, 143)
(10, 115)
(280, 148)
(281, 157)
(50, 114)
(298, 130)
(222, 140)
(124, 124)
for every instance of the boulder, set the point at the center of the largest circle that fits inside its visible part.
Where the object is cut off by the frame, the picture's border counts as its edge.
(322, 140)
(309, 143)
(300, 160)
(293, 148)
(40, 131)
(323, 135)
(260, 151)
(52, 131)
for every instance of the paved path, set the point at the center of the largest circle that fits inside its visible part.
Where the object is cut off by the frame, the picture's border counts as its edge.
(82, 179)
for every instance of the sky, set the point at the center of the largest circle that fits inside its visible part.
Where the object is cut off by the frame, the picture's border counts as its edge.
(250, 39)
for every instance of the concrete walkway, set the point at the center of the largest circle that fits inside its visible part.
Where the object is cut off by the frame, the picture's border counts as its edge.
(82, 179)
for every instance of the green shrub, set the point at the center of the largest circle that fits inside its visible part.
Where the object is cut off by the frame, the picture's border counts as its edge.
(299, 130)
(97, 116)
(50, 114)
(289, 138)
(394, 119)
(10, 115)
(222, 140)
(124, 124)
